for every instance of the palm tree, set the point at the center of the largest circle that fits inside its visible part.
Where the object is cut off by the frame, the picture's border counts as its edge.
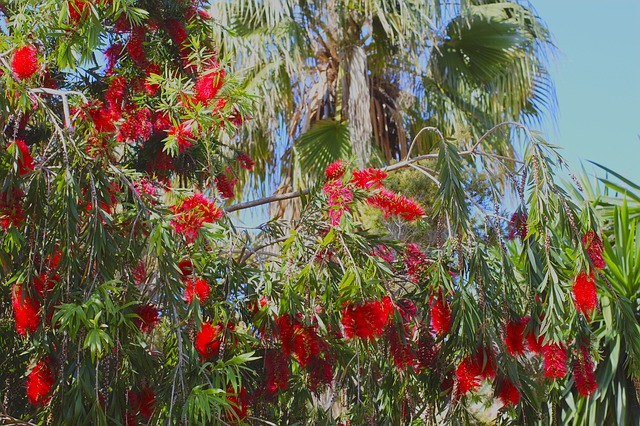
(342, 78)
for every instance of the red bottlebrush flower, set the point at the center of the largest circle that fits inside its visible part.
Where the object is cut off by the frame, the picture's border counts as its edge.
(392, 204)
(584, 373)
(384, 252)
(585, 296)
(225, 186)
(142, 402)
(473, 369)
(401, 351)
(139, 273)
(39, 383)
(25, 160)
(115, 96)
(593, 245)
(368, 178)
(468, 375)
(197, 289)
(416, 262)
(239, 404)
(186, 268)
(366, 321)
(335, 170)
(135, 46)
(137, 126)
(76, 10)
(152, 88)
(306, 344)
(209, 83)
(427, 349)
(320, 372)
(338, 197)
(11, 211)
(508, 393)
(148, 318)
(103, 119)
(407, 310)
(113, 54)
(183, 133)
(555, 360)
(162, 123)
(192, 213)
(176, 31)
(24, 62)
(514, 338)
(26, 310)
(208, 341)
(518, 226)
(245, 161)
(276, 371)
(441, 316)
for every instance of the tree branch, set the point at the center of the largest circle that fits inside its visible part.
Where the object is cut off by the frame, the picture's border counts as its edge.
(266, 200)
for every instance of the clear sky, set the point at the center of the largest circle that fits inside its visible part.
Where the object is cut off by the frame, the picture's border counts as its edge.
(597, 76)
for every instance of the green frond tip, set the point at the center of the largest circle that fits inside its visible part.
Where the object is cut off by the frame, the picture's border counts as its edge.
(322, 144)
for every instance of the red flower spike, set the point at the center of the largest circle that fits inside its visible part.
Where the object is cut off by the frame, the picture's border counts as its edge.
(24, 62)
(320, 372)
(192, 213)
(183, 134)
(276, 371)
(338, 198)
(593, 245)
(401, 351)
(335, 170)
(135, 46)
(555, 360)
(239, 404)
(366, 321)
(25, 160)
(209, 83)
(245, 161)
(224, 185)
(508, 393)
(11, 211)
(197, 289)
(208, 341)
(416, 262)
(368, 178)
(585, 296)
(39, 383)
(26, 310)
(584, 373)
(392, 204)
(468, 375)
(518, 226)
(427, 349)
(514, 337)
(148, 318)
(147, 402)
(76, 10)
(176, 31)
(441, 316)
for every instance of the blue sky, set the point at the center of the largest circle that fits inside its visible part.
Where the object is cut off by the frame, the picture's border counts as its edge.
(597, 76)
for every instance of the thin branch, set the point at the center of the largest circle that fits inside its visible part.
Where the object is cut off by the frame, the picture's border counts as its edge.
(266, 200)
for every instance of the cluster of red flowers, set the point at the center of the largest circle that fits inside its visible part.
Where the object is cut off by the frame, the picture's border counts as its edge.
(507, 392)
(392, 204)
(25, 160)
(555, 360)
(515, 337)
(225, 184)
(24, 62)
(11, 210)
(191, 215)
(441, 315)
(307, 348)
(148, 317)
(368, 320)
(585, 295)
(196, 289)
(209, 83)
(389, 202)
(245, 161)
(593, 245)
(141, 403)
(339, 197)
(277, 373)
(239, 404)
(518, 226)
(416, 262)
(26, 310)
(583, 373)
(473, 369)
(208, 341)
(39, 383)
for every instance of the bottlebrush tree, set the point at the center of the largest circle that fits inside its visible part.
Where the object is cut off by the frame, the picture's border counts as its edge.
(130, 294)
